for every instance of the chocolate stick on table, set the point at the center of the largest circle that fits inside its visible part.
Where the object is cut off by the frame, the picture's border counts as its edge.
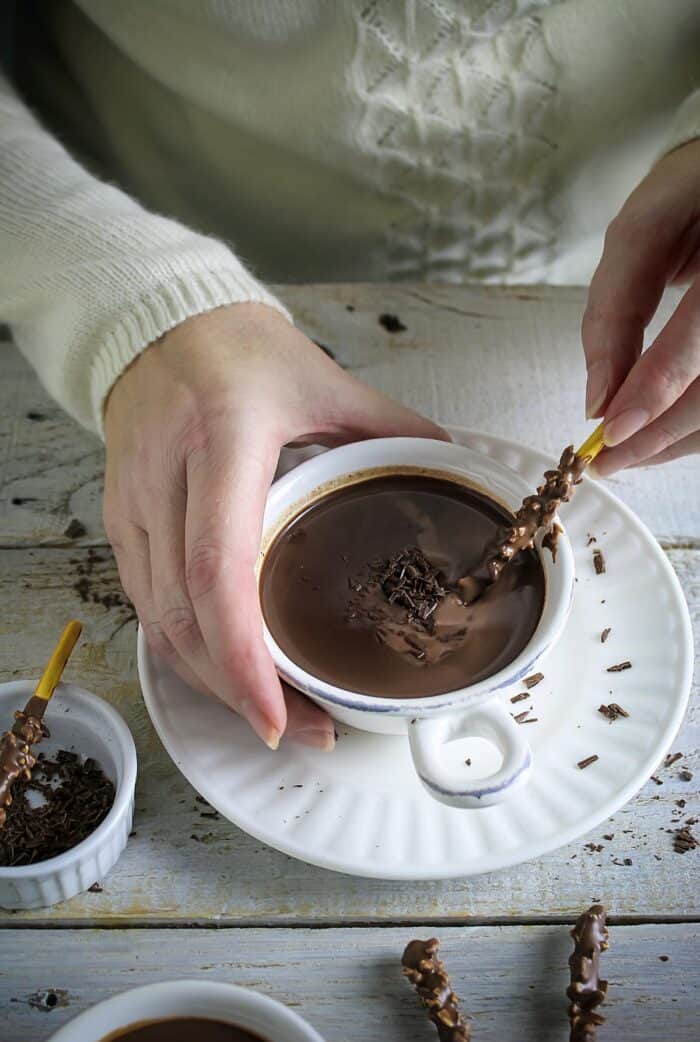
(536, 512)
(16, 758)
(427, 974)
(587, 990)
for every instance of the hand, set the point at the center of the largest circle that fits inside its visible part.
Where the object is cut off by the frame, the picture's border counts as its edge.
(193, 430)
(650, 401)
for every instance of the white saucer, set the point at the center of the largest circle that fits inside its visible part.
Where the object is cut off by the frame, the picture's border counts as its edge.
(361, 808)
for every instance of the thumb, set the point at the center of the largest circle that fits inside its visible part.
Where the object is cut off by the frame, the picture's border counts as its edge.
(363, 412)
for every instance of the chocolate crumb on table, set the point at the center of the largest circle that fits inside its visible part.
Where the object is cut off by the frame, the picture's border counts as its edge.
(587, 991)
(582, 764)
(684, 840)
(533, 680)
(613, 711)
(392, 323)
(605, 634)
(426, 972)
(598, 562)
(619, 667)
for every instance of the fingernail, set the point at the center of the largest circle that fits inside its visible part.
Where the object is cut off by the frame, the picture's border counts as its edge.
(625, 425)
(261, 724)
(593, 472)
(316, 737)
(596, 388)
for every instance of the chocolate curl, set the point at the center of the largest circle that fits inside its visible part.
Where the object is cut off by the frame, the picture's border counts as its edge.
(426, 972)
(587, 990)
(535, 512)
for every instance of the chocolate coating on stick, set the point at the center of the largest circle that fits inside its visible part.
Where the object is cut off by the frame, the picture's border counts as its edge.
(16, 758)
(587, 990)
(535, 512)
(427, 974)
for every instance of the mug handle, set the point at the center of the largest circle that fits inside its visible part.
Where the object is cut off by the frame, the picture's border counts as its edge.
(428, 735)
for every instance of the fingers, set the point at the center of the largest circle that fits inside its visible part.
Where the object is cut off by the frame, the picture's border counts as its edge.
(227, 482)
(675, 425)
(661, 376)
(689, 446)
(306, 723)
(624, 293)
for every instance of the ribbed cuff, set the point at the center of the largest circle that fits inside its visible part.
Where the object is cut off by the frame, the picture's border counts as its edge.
(163, 309)
(685, 126)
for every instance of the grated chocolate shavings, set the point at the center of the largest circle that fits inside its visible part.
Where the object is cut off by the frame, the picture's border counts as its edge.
(533, 680)
(684, 840)
(598, 562)
(521, 696)
(685, 775)
(392, 323)
(605, 634)
(582, 764)
(619, 667)
(672, 758)
(612, 711)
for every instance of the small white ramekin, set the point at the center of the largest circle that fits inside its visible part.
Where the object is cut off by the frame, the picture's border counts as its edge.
(79, 722)
(474, 710)
(189, 998)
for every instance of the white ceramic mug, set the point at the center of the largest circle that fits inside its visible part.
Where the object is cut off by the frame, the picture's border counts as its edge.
(189, 998)
(474, 710)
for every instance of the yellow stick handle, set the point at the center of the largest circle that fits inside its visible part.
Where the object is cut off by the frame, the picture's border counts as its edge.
(592, 445)
(56, 664)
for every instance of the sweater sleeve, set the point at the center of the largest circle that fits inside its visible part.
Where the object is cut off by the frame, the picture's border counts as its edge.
(88, 278)
(686, 124)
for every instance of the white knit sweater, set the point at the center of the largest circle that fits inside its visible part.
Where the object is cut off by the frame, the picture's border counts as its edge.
(364, 139)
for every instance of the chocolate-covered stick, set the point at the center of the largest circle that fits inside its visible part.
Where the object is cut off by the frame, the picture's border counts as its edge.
(16, 759)
(587, 990)
(536, 512)
(427, 974)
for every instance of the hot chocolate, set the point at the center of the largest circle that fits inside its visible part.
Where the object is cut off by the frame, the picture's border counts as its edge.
(183, 1029)
(361, 588)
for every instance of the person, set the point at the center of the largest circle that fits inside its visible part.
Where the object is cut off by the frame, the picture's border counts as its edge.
(382, 139)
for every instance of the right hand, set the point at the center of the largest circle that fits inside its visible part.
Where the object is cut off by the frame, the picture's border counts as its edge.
(193, 430)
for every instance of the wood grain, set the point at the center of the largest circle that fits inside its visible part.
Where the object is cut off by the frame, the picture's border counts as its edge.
(503, 360)
(348, 984)
(181, 866)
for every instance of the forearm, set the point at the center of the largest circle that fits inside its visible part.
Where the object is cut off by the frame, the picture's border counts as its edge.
(88, 278)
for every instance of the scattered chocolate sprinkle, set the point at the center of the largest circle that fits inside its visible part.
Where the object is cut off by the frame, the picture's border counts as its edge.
(657, 781)
(591, 539)
(619, 667)
(18, 501)
(426, 972)
(521, 716)
(663, 958)
(685, 775)
(409, 579)
(36, 416)
(605, 634)
(684, 840)
(672, 758)
(392, 323)
(533, 680)
(521, 696)
(681, 803)
(349, 307)
(586, 990)
(613, 711)
(75, 529)
(582, 764)
(598, 562)
(77, 797)
(468, 761)
(96, 888)
(610, 836)
(530, 720)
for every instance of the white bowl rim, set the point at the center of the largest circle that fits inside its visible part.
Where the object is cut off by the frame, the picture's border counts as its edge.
(542, 638)
(198, 989)
(122, 795)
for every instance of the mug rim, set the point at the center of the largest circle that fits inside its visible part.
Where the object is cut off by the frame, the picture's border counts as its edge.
(546, 632)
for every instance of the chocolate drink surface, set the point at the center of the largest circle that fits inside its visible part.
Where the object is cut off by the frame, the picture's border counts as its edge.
(329, 577)
(183, 1029)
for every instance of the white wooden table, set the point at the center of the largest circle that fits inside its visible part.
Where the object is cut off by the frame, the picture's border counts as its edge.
(506, 361)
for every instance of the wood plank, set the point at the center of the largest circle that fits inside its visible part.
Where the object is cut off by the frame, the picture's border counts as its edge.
(504, 360)
(348, 984)
(223, 875)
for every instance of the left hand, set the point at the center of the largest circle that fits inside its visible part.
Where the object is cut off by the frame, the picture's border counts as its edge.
(650, 401)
